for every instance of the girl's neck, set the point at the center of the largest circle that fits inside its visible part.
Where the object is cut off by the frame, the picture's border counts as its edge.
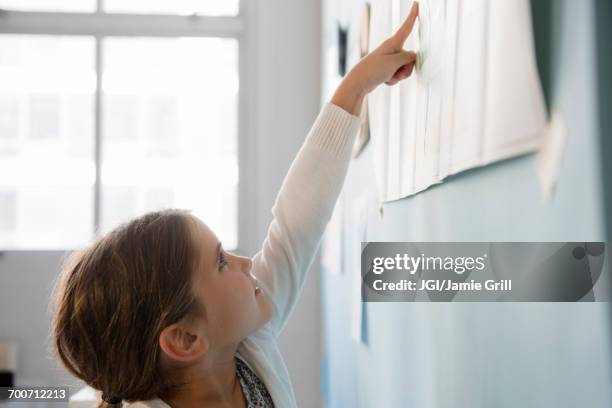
(211, 382)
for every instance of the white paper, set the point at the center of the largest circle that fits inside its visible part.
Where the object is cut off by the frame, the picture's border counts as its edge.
(379, 99)
(430, 90)
(470, 85)
(408, 118)
(550, 155)
(447, 113)
(393, 146)
(475, 98)
(515, 111)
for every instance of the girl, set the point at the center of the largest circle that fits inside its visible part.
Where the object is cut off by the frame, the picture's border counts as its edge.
(156, 313)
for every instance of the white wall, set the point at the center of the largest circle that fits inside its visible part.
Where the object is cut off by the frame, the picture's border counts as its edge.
(285, 81)
(288, 102)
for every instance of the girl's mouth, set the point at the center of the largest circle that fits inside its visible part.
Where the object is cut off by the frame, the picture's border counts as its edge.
(255, 282)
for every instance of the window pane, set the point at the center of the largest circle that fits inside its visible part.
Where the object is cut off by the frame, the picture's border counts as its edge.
(170, 130)
(205, 7)
(47, 172)
(50, 5)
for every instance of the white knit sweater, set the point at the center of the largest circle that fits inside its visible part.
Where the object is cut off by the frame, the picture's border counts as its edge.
(301, 212)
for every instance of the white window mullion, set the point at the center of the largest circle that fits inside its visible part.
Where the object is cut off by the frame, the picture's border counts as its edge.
(98, 130)
(98, 138)
(122, 25)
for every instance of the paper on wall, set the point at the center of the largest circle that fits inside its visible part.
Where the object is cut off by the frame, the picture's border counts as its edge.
(476, 97)
(379, 100)
(470, 85)
(550, 155)
(408, 118)
(447, 112)
(393, 145)
(430, 75)
(515, 110)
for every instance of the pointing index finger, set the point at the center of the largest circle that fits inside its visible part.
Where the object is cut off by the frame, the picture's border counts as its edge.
(404, 31)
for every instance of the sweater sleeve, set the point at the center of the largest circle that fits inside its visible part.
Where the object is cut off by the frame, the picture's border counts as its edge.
(302, 209)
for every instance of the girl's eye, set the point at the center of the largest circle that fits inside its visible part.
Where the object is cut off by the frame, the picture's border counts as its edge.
(222, 261)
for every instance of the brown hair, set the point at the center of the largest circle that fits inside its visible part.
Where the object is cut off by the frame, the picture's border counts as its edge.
(115, 297)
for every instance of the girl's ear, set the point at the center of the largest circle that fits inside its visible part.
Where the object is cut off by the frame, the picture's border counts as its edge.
(182, 344)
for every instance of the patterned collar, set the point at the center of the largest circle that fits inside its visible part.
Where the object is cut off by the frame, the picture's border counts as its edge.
(255, 392)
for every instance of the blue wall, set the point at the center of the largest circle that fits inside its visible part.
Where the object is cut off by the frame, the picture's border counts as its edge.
(483, 355)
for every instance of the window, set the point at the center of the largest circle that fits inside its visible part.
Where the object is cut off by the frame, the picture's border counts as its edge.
(105, 116)
(47, 89)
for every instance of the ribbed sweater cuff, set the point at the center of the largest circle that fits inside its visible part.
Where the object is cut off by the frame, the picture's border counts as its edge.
(335, 129)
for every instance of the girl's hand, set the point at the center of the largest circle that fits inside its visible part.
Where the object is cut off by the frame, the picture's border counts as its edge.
(389, 63)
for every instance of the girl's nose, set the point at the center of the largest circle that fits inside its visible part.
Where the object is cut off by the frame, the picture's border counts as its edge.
(247, 264)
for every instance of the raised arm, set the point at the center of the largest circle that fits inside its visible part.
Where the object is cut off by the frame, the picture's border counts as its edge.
(309, 192)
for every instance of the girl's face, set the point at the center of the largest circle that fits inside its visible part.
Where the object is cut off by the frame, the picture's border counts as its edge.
(234, 304)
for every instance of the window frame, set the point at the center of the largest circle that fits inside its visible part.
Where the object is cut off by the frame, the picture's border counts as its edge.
(100, 24)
